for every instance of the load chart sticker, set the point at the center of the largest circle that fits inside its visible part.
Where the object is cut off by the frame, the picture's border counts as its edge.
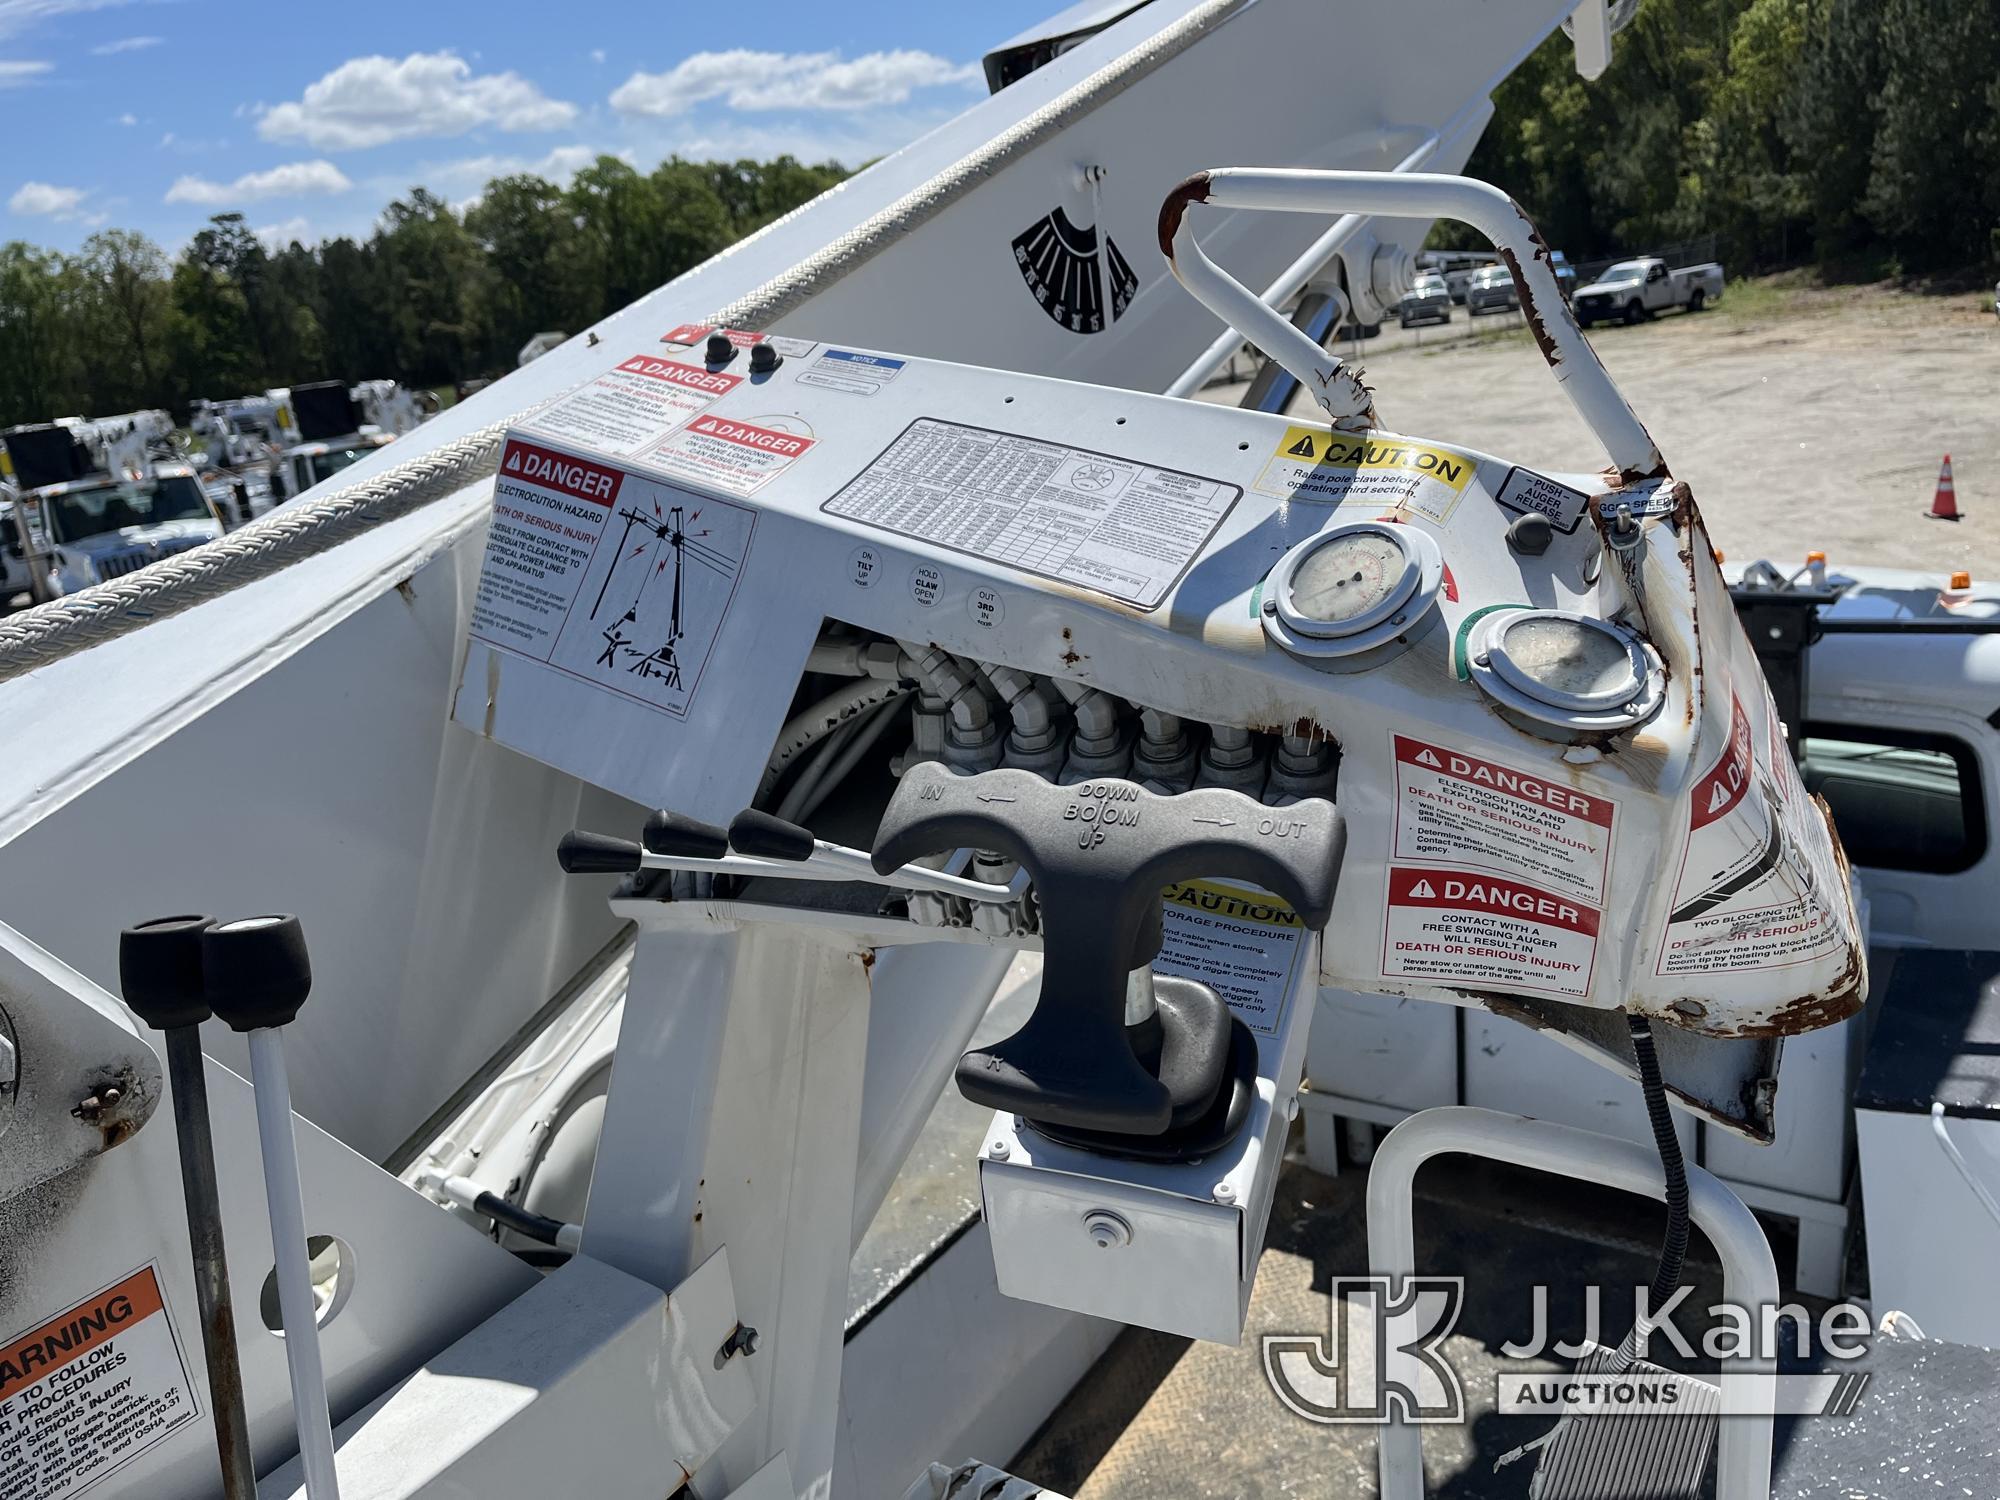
(1461, 809)
(1310, 463)
(607, 576)
(639, 402)
(90, 1390)
(1113, 525)
(736, 456)
(1466, 927)
(1239, 940)
(1751, 892)
(1525, 490)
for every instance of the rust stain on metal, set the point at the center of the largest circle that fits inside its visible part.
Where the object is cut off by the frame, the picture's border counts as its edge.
(114, 1106)
(1070, 655)
(1189, 190)
(867, 959)
(1530, 311)
(408, 590)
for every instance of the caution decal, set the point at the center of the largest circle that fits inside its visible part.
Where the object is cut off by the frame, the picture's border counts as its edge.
(89, 1390)
(1335, 467)
(1242, 942)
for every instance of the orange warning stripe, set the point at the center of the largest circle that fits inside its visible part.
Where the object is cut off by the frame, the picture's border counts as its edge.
(72, 1334)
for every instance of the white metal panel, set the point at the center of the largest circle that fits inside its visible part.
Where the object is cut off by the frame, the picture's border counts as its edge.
(1384, 1049)
(1930, 1243)
(1510, 1067)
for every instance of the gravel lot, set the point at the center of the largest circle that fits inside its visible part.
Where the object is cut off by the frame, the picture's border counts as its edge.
(1801, 417)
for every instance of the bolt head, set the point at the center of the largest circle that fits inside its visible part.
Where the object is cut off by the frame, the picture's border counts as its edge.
(1270, 606)
(998, 1151)
(1224, 1193)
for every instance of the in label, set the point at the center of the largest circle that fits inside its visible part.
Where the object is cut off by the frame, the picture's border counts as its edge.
(1113, 525)
(1240, 941)
(639, 402)
(609, 577)
(1311, 463)
(90, 1390)
(1467, 927)
(1461, 809)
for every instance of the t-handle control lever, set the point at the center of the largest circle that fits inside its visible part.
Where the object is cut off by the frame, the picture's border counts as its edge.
(1099, 854)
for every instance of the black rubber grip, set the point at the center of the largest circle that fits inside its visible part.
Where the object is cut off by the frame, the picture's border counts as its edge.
(769, 837)
(1099, 854)
(582, 853)
(159, 970)
(673, 833)
(255, 972)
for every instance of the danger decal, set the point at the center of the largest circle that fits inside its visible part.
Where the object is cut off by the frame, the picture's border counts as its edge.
(1466, 927)
(1335, 467)
(575, 477)
(736, 456)
(633, 405)
(90, 1390)
(1464, 809)
(1754, 890)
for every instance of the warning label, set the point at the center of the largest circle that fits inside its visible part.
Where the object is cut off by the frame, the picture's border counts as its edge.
(736, 456)
(1119, 527)
(1460, 809)
(1463, 927)
(1525, 490)
(852, 371)
(623, 410)
(90, 1390)
(1752, 891)
(609, 577)
(1338, 467)
(1240, 941)
(696, 333)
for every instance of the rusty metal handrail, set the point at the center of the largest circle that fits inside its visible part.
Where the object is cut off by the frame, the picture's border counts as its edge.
(1409, 195)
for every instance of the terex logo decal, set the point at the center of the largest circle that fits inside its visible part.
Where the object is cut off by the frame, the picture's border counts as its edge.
(558, 471)
(654, 368)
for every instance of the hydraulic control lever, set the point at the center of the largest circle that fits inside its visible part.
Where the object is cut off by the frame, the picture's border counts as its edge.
(1099, 854)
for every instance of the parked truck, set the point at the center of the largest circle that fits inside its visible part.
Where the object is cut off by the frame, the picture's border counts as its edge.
(1632, 290)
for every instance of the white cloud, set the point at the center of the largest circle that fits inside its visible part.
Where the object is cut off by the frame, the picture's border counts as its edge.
(43, 198)
(558, 166)
(127, 44)
(787, 80)
(128, 118)
(367, 101)
(292, 180)
(17, 74)
(17, 16)
(277, 236)
(597, 54)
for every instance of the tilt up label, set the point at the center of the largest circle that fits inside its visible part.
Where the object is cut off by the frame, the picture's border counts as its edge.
(1463, 927)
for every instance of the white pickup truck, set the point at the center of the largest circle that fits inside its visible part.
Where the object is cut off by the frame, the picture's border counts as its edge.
(1636, 289)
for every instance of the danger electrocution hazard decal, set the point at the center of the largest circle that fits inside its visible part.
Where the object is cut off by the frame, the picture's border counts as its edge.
(89, 1390)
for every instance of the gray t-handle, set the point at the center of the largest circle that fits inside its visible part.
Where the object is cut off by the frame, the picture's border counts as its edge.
(1100, 853)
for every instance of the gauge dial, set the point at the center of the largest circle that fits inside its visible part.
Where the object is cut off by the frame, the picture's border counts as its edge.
(1349, 577)
(1572, 662)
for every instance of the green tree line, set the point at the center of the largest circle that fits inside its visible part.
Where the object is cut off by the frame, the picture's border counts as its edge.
(1861, 136)
(433, 296)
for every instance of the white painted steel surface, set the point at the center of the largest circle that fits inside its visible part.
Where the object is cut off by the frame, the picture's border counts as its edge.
(1931, 1245)
(1749, 1276)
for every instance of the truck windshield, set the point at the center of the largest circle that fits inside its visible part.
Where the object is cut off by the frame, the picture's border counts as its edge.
(109, 507)
(1628, 272)
(326, 465)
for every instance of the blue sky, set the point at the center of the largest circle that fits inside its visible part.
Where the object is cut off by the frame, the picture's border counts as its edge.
(308, 117)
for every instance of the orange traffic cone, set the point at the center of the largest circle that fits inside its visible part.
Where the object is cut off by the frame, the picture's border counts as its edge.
(1944, 507)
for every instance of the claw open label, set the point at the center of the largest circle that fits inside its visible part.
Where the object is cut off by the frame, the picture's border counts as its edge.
(1466, 927)
(90, 1390)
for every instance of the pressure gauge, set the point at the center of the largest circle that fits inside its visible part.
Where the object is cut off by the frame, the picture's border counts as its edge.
(1355, 595)
(1565, 672)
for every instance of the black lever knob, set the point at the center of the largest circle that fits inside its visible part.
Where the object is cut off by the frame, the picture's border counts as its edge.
(255, 971)
(1100, 854)
(677, 834)
(159, 971)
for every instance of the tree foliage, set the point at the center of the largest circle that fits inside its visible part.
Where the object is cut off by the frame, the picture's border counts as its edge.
(1863, 135)
(431, 297)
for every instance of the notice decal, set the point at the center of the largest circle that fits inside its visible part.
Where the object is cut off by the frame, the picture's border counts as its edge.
(1525, 490)
(89, 1390)
(1312, 463)
(1465, 927)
